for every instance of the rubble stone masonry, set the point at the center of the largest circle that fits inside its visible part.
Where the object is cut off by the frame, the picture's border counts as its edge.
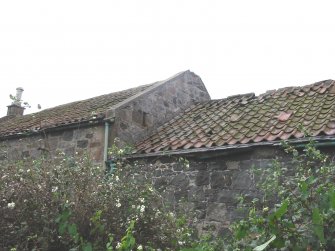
(206, 190)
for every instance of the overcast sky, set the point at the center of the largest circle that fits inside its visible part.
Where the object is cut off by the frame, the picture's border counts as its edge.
(62, 51)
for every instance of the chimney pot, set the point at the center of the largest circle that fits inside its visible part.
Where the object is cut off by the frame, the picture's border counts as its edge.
(15, 109)
(18, 96)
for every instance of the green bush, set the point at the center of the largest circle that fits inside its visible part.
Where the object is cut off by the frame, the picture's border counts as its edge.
(297, 209)
(70, 204)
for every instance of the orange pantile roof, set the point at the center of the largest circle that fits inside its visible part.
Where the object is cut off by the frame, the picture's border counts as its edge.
(242, 119)
(92, 109)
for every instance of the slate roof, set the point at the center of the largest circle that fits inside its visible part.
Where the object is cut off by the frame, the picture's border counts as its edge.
(242, 119)
(92, 109)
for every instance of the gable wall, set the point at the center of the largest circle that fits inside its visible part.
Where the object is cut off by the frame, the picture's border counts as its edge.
(138, 118)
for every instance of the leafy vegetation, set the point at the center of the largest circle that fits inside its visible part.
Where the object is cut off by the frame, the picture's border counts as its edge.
(71, 204)
(297, 209)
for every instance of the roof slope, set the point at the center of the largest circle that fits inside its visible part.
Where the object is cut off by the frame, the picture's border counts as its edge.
(76, 112)
(242, 119)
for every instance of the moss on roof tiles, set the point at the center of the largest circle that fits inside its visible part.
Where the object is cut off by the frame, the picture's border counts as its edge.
(233, 121)
(79, 111)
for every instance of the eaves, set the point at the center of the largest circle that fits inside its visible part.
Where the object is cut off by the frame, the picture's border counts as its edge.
(320, 141)
(32, 132)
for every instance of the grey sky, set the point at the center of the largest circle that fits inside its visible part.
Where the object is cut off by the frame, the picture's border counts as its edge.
(62, 51)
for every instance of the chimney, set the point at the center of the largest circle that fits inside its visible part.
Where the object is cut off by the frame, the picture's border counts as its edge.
(15, 109)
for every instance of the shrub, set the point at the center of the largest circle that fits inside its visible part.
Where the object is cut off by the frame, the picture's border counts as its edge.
(69, 203)
(297, 209)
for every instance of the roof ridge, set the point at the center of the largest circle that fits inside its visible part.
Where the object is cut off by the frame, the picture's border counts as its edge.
(250, 94)
(320, 86)
(92, 98)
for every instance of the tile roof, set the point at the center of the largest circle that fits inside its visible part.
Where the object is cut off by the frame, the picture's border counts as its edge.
(242, 119)
(92, 109)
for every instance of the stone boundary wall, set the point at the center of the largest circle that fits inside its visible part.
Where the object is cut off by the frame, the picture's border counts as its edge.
(207, 189)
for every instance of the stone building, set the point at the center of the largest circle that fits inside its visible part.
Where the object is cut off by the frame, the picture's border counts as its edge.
(93, 124)
(174, 120)
(222, 140)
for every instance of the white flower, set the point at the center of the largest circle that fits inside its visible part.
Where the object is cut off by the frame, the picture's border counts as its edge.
(117, 178)
(142, 208)
(118, 245)
(157, 213)
(139, 247)
(118, 204)
(28, 170)
(54, 189)
(11, 205)
(265, 209)
(133, 206)
(141, 200)
(151, 189)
